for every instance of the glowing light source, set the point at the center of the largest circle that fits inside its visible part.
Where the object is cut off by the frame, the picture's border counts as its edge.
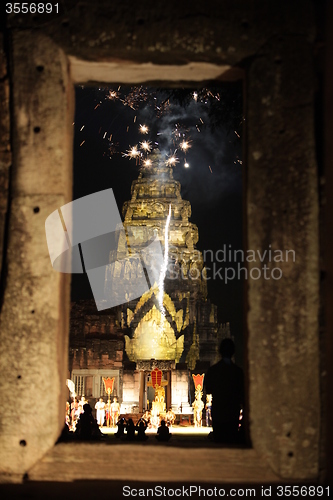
(186, 165)
(147, 163)
(146, 146)
(113, 94)
(132, 152)
(164, 266)
(143, 129)
(172, 161)
(184, 145)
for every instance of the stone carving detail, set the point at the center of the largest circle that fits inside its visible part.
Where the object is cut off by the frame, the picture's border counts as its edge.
(189, 240)
(150, 364)
(154, 338)
(129, 316)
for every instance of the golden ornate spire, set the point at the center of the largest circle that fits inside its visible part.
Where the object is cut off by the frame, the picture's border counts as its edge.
(153, 195)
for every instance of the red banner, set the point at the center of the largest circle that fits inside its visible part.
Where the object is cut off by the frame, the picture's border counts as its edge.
(156, 377)
(108, 384)
(198, 380)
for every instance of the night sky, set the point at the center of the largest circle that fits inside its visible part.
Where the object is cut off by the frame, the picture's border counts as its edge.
(211, 120)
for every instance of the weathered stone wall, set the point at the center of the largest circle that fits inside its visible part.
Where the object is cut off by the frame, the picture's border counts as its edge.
(5, 149)
(85, 319)
(284, 311)
(96, 340)
(273, 43)
(98, 353)
(35, 311)
(226, 32)
(327, 238)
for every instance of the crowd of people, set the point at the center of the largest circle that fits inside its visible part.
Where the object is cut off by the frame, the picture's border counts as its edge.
(81, 423)
(107, 413)
(138, 431)
(224, 387)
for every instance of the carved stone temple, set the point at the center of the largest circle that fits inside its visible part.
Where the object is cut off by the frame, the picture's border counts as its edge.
(172, 325)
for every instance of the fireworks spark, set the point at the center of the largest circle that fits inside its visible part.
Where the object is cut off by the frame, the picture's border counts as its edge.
(160, 104)
(136, 96)
(147, 163)
(132, 152)
(143, 129)
(179, 131)
(112, 149)
(184, 146)
(145, 146)
(113, 94)
(172, 161)
(162, 108)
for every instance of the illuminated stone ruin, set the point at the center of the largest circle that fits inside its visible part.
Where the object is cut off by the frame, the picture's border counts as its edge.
(172, 326)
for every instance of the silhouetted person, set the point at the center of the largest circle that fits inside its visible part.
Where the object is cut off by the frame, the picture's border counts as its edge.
(121, 428)
(141, 427)
(163, 433)
(130, 430)
(87, 427)
(225, 381)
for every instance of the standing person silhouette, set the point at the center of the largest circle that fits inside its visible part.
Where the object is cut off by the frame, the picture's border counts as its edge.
(225, 381)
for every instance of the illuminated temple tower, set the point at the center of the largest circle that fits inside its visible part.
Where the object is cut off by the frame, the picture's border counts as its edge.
(173, 323)
(175, 331)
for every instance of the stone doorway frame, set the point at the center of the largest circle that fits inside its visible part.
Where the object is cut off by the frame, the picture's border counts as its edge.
(282, 207)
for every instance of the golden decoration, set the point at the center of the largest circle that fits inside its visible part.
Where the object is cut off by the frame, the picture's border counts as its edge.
(145, 297)
(130, 315)
(154, 338)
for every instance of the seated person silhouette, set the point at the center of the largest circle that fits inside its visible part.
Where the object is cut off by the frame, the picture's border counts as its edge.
(163, 433)
(87, 427)
(225, 381)
(141, 427)
(121, 428)
(130, 430)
